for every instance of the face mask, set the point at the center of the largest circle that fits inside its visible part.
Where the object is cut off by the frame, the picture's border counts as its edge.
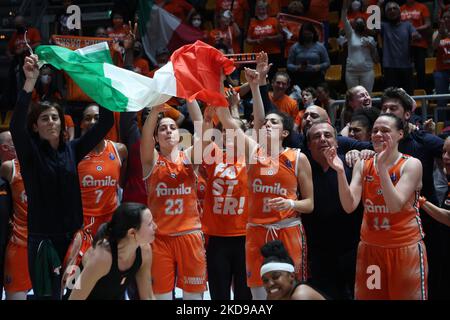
(196, 23)
(356, 5)
(45, 79)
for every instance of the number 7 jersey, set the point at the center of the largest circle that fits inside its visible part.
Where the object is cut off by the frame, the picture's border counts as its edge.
(172, 196)
(381, 227)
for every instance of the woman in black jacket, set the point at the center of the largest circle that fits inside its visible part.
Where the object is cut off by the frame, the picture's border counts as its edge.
(49, 170)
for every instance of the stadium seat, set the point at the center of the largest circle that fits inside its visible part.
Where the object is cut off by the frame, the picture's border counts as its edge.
(4, 121)
(377, 71)
(334, 73)
(430, 65)
(419, 92)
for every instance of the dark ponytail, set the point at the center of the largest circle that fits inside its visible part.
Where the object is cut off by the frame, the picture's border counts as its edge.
(127, 216)
(274, 251)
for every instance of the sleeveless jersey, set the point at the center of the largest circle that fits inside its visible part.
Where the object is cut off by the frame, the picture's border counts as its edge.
(226, 200)
(20, 207)
(381, 227)
(172, 195)
(99, 180)
(272, 178)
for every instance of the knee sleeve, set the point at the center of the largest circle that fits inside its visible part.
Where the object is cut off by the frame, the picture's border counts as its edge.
(259, 293)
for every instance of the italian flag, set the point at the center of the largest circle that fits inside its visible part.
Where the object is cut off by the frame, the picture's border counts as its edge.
(193, 72)
(160, 29)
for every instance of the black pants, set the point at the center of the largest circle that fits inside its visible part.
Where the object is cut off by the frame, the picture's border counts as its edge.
(419, 55)
(400, 78)
(333, 272)
(225, 260)
(61, 244)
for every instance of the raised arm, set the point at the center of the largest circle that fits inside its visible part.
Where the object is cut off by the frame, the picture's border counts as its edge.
(197, 119)
(410, 180)
(18, 126)
(349, 195)
(149, 155)
(347, 26)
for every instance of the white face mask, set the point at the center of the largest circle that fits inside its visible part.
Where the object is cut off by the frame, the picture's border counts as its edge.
(356, 5)
(45, 79)
(197, 23)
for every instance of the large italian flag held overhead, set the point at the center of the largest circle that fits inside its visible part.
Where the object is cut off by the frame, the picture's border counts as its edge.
(193, 72)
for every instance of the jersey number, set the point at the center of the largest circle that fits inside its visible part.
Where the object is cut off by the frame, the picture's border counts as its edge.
(99, 194)
(174, 206)
(384, 224)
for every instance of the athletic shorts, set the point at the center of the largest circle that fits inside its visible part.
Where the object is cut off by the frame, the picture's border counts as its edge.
(391, 273)
(16, 276)
(294, 241)
(94, 222)
(179, 260)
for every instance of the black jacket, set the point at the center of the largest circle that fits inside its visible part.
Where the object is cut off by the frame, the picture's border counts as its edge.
(51, 176)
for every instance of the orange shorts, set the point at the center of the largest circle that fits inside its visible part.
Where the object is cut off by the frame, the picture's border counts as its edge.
(294, 241)
(17, 278)
(182, 258)
(391, 273)
(94, 222)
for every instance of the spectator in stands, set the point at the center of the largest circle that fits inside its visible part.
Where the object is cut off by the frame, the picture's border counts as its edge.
(280, 84)
(264, 34)
(397, 38)
(309, 96)
(325, 101)
(119, 31)
(17, 50)
(362, 52)
(362, 123)
(196, 21)
(319, 10)
(226, 33)
(355, 98)
(441, 43)
(100, 32)
(291, 29)
(355, 9)
(140, 64)
(308, 59)
(419, 16)
(239, 9)
(62, 21)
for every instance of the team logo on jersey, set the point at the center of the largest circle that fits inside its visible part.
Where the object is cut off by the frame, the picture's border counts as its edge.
(99, 168)
(393, 177)
(379, 192)
(369, 178)
(288, 163)
(447, 202)
(173, 175)
(160, 163)
(111, 156)
(201, 187)
(270, 172)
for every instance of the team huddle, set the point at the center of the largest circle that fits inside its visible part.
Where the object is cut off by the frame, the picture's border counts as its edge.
(232, 224)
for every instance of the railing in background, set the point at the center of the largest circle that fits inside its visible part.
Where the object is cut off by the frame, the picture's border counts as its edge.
(424, 99)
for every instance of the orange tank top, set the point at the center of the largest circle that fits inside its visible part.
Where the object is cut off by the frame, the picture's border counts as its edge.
(20, 207)
(226, 200)
(172, 195)
(272, 178)
(379, 226)
(99, 176)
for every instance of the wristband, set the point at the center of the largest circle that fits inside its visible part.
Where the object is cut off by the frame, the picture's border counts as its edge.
(291, 203)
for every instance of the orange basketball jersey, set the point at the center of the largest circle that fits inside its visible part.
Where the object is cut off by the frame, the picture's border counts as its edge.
(99, 179)
(381, 227)
(20, 207)
(225, 208)
(272, 178)
(172, 195)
